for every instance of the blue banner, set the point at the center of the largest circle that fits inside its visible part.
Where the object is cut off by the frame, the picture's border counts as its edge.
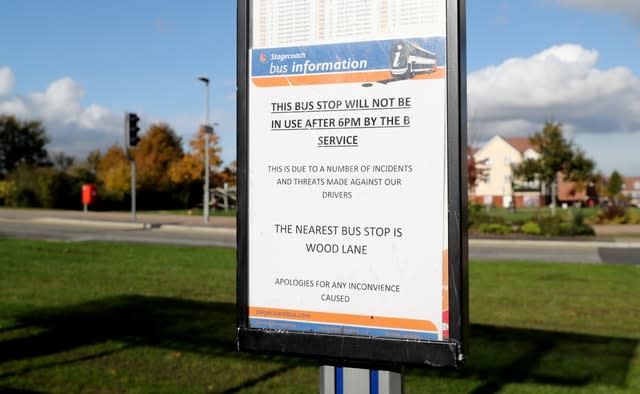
(421, 53)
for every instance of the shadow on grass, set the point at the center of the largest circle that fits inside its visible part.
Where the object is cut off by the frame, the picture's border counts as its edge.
(498, 355)
(8, 390)
(505, 355)
(177, 324)
(204, 327)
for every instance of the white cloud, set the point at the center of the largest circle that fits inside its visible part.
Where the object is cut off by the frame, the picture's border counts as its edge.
(561, 84)
(76, 128)
(626, 7)
(7, 79)
(73, 128)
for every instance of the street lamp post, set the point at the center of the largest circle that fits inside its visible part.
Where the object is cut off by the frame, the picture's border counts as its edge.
(206, 149)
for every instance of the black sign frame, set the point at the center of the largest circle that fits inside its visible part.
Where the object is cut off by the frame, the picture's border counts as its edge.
(374, 352)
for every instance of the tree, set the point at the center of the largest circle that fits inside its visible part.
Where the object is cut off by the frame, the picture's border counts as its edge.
(86, 172)
(93, 160)
(188, 173)
(228, 175)
(197, 148)
(45, 187)
(187, 170)
(158, 148)
(61, 161)
(557, 155)
(475, 169)
(114, 172)
(190, 168)
(21, 142)
(614, 186)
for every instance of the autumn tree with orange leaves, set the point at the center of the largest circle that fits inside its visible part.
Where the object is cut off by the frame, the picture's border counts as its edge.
(191, 166)
(166, 175)
(113, 172)
(228, 175)
(158, 148)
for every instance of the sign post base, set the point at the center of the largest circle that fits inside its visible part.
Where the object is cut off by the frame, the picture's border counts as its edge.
(339, 380)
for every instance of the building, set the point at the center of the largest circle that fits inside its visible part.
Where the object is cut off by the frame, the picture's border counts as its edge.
(497, 186)
(631, 190)
(576, 194)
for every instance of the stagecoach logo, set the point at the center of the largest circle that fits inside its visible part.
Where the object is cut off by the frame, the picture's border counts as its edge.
(263, 58)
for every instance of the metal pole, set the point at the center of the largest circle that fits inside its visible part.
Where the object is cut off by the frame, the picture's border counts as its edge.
(226, 196)
(206, 150)
(133, 190)
(133, 166)
(206, 177)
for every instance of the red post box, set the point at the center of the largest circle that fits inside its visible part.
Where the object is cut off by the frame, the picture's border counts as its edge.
(89, 194)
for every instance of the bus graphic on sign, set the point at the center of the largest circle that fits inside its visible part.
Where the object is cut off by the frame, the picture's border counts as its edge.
(407, 60)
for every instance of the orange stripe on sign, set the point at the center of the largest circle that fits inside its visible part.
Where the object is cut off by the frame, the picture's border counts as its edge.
(320, 79)
(342, 318)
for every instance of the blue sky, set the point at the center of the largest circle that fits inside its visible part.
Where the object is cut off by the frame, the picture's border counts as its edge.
(79, 65)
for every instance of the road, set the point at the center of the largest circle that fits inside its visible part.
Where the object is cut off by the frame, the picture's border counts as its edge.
(54, 226)
(191, 231)
(593, 252)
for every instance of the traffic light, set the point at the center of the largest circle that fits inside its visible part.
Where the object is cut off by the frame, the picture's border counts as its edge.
(133, 129)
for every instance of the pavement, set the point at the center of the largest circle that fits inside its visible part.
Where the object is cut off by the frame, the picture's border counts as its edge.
(618, 230)
(124, 219)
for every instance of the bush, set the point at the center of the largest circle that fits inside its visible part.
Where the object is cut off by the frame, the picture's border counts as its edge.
(531, 228)
(633, 216)
(26, 187)
(555, 226)
(494, 228)
(569, 223)
(550, 225)
(43, 187)
(564, 228)
(583, 230)
(6, 192)
(578, 225)
(476, 215)
(612, 214)
(617, 214)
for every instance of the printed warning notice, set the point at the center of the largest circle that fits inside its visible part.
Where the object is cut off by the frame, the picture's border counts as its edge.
(347, 188)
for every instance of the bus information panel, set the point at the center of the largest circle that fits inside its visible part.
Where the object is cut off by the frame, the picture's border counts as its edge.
(350, 145)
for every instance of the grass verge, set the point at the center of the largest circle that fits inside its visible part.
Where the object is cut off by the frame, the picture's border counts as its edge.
(115, 318)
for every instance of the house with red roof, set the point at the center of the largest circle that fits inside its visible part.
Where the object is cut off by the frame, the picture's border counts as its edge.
(499, 188)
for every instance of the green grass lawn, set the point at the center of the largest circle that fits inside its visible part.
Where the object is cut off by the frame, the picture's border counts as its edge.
(115, 318)
(524, 214)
